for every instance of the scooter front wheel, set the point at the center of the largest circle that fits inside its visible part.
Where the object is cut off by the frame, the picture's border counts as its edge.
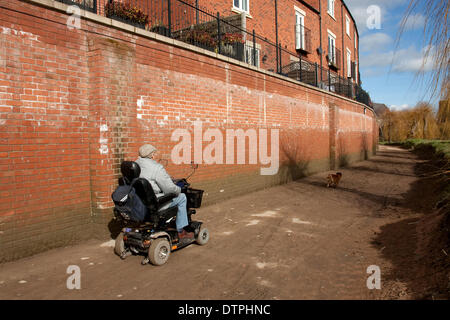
(159, 251)
(203, 236)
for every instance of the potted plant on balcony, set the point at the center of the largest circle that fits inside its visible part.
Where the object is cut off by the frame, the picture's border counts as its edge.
(232, 45)
(199, 38)
(159, 27)
(125, 12)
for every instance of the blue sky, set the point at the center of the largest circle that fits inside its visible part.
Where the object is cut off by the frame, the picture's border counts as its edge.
(388, 69)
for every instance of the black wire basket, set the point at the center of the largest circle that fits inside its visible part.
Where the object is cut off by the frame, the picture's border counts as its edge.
(194, 198)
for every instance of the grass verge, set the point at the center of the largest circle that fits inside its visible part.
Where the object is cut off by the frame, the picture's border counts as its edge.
(439, 153)
(432, 231)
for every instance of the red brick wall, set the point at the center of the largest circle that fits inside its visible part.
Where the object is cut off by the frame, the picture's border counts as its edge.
(313, 3)
(75, 103)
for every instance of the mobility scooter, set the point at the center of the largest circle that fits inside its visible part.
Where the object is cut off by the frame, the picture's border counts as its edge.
(155, 236)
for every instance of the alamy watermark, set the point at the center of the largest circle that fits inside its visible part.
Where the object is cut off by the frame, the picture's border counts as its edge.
(374, 280)
(374, 17)
(213, 153)
(74, 280)
(74, 20)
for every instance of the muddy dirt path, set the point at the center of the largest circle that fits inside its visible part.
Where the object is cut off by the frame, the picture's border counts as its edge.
(295, 241)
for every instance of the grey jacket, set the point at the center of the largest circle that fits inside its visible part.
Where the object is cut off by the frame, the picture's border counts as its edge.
(158, 177)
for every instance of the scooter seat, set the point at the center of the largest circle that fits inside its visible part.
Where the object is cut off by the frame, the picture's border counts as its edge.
(158, 207)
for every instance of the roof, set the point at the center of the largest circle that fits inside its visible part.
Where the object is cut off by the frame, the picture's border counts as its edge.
(379, 108)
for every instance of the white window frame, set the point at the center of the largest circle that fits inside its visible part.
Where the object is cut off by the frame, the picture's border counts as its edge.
(300, 41)
(248, 53)
(330, 9)
(332, 55)
(240, 6)
(347, 25)
(356, 45)
(349, 64)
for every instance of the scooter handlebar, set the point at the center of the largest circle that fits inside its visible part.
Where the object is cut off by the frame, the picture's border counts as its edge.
(182, 183)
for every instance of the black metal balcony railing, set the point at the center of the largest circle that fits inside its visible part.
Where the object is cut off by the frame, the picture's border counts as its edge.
(302, 39)
(334, 58)
(88, 5)
(185, 21)
(303, 71)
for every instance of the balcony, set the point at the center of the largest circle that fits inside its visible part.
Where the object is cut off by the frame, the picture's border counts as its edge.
(334, 58)
(302, 39)
(88, 5)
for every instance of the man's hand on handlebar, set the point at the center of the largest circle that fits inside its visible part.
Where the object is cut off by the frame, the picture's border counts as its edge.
(182, 183)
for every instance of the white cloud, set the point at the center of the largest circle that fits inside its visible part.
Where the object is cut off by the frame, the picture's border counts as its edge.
(402, 107)
(358, 9)
(410, 60)
(382, 3)
(377, 59)
(414, 22)
(360, 15)
(375, 42)
(402, 60)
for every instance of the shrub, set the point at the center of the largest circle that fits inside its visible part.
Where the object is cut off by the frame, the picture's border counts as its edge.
(199, 37)
(126, 12)
(230, 38)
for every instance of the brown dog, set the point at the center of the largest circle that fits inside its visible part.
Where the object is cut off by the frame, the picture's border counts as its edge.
(333, 179)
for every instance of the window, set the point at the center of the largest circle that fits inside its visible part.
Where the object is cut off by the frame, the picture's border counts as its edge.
(356, 45)
(347, 25)
(331, 7)
(299, 30)
(241, 5)
(251, 53)
(349, 63)
(332, 48)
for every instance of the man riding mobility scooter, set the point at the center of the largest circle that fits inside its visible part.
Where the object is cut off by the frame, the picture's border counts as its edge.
(154, 233)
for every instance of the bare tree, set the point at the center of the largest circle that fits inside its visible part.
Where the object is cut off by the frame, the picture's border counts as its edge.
(417, 123)
(435, 34)
(443, 116)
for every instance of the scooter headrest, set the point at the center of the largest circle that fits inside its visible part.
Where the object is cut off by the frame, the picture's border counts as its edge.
(130, 170)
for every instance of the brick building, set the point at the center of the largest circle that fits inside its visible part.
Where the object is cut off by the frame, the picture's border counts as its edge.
(321, 31)
(311, 41)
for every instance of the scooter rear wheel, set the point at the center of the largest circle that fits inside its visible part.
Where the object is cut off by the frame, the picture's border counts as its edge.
(119, 247)
(159, 251)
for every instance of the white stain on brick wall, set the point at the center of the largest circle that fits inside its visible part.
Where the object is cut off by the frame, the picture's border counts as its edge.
(20, 33)
(139, 110)
(103, 149)
(358, 122)
(103, 141)
(103, 206)
(262, 104)
(228, 93)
